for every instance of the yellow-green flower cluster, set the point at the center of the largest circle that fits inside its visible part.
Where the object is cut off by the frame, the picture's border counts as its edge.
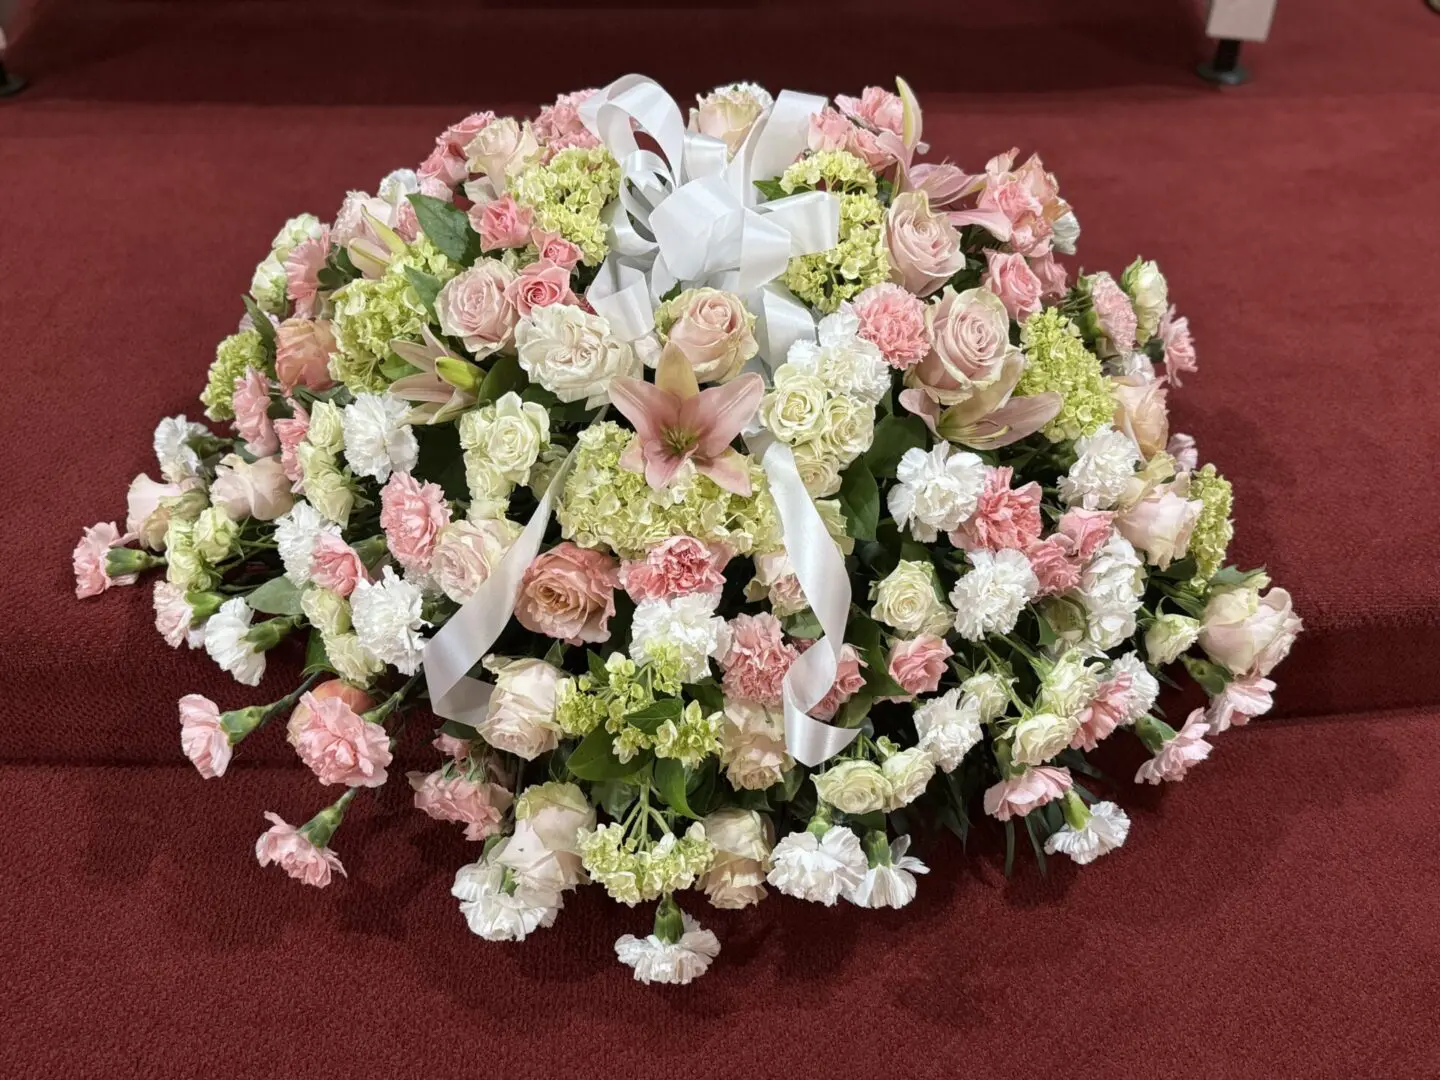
(604, 504)
(1056, 360)
(694, 738)
(828, 278)
(369, 314)
(232, 356)
(586, 701)
(424, 256)
(633, 870)
(1213, 528)
(567, 194)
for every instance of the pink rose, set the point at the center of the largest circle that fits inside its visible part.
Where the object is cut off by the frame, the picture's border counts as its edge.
(501, 148)
(252, 413)
(89, 557)
(971, 335)
(919, 664)
(473, 306)
(831, 129)
(1108, 709)
(828, 130)
(1032, 789)
(412, 515)
(876, 108)
(291, 432)
(775, 580)
(1183, 749)
(1086, 530)
(848, 681)
(466, 554)
(757, 660)
(292, 851)
(1114, 316)
(539, 285)
(1246, 632)
(1161, 523)
(478, 803)
(924, 246)
(202, 738)
(713, 330)
(1054, 564)
(559, 127)
(1051, 275)
(1174, 335)
(502, 223)
(339, 745)
(302, 271)
(335, 565)
(568, 593)
(894, 320)
(302, 354)
(1003, 518)
(1141, 413)
(447, 162)
(675, 567)
(251, 489)
(1009, 277)
(556, 249)
(144, 518)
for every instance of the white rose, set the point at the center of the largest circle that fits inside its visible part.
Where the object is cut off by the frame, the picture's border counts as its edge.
(1040, 737)
(467, 552)
(990, 694)
(730, 112)
(327, 427)
(908, 772)
(908, 599)
(295, 232)
(489, 490)
(1149, 292)
(742, 841)
(818, 467)
(267, 285)
(855, 787)
(849, 428)
(508, 435)
(521, 715)
(556, 811)
(752, 746)
(215, 534)
(1169, 636)
(572, 354)
(795, 409)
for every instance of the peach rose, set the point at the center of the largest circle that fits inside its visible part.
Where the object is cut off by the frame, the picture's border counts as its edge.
(713, 330)
(556, 249)
(473, 307)
(1141, 412)
(467, 552)
(569, 593)
(302, 354)
(924, 246)
(1161, 523)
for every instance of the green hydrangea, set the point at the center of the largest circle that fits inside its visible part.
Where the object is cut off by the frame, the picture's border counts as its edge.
(232, 356)
(567, 194)
(693, 739)
(828, 278)
(635, 869)
(604, 504)
(1056, 360)
(426, 257)
(1213, 528)
(585, 702)
(369, 314)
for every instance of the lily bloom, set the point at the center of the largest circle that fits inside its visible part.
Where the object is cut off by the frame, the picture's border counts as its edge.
(444, 387)
(675, 421)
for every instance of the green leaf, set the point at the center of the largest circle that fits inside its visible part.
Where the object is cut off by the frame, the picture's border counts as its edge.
(594, 759)
(652, 716)
(1009, 847)
(1036, 841)
(771, 189)
(1233, 575)
(789, 784)
(860, 499)
(447, 227)
(672, 782)
(865, 634)
(803, 624)
(708, 694)
(456, 730)
(615, 796)
(505, 375)
(316, 658)
(893, 436)
(426, 286)
(596, 665)
(278, 596)
(556, 654)
(337, 272)
(1047, 635)
(263, 326)
(394, 368)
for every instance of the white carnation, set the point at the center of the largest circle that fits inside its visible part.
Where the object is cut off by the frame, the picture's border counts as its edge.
(689, 624)
(846, 363)
(1106, 830)
(949, 725)
(1065, 231)
(937, 491)
(890, 884)
(821, 870)
(377, 440)
(225, 641)
(989, 599)
(295, 534)
(267, 284)
(677, 962)
(387, 620)
(572, 353)
(178, 462)
(1144, 687)
(1111, 588)
(1104, 464)
(495, 913)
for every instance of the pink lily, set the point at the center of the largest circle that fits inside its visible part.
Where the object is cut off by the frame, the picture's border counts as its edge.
(991, 417)
(675, 421)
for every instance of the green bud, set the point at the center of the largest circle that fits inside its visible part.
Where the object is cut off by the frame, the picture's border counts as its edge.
(239, 723)
(319, 829)
(370, 550)
(1077, 814)
(120, 561)
(1211, 677)
(458, 373)
(1153, 732)
(203, 604)
(877, 848)
(266, 635)
(187, 505)
(669, 923)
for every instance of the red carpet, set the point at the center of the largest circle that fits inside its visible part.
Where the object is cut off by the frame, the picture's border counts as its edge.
(1273, 916)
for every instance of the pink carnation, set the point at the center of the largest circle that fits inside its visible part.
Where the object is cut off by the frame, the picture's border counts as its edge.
(292, 851)
(339, 745)
(894, 320)
(539, 285)
(1173, 760)
(1113, 313)
(1028, 199)
(559, 127)
(447, 161)
(569, 593)
(1086, 530)
(335, 565)
(675, 567)
(302, 354)
(1055, 565)
(91, 578)
(302, 271)
(848, 681)
(502, 223)
(919, 664)
(1107, 710)
(556, 249)
(252, 413)
(876, 108)
(412, 515)
(201, 737)
(291, 433)
(1032, 789)
(758, 658)
(1242, 700)
(480, 805)
(1174, 335)
(1003, 518)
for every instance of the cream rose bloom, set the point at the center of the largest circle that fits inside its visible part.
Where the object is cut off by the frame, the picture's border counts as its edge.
(908, 599)
(521, 715)
(729, 113)
(1040, 737)
(712, 329)
(908, 772)
(849, 428)
(466, 553)
(795, 409)
(1150, 294)
(508, 435)
(1246, 632)
(572, 354)
(818, 467)
(855, 787)
(742, 840)
(752, 746)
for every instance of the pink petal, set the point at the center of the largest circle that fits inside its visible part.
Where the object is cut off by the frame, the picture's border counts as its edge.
(725, 410)
(661, 467)
(730, 470)
(648, 408)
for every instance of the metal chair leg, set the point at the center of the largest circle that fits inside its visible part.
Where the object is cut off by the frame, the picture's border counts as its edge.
(1224, 68)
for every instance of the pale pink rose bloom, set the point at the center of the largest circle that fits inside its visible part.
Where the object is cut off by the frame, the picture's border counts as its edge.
(335, 565)
(1113, 313)
(924, 247)
(1003, 518)
(479, 804)
(894, 320)
(1054, 281)
(201, 736)
(259, 489)
(502, 223)
(1141, 412)
(1160, 524)
(775, 573)
(340, 746)
(676, 567)
(1009, 277)
(539, 285)
(1241, 701)
(828, 130)
(502, 147)
(473, 307)
(252, 413)
(757, 660)
(970, 332)
(353, 696)
(291, 432)
(714, 334)
(1032, 789)
(1182, 448)
(559, 127)
(447, 161)
(568, 593)
(466, 554)
(848, 681)
(302, 271)
(1249, 642)
(876, 108)
(1107, 711)
(1087, 530)
(302, 354)
(412, 515)
(442, 165)
(727, 116)
(1173, 760)
(1054, 564)
(1174, 335)
(451, 747)
(919, 664)
(142, 500)
(89, 560)
(556, 249)
(288, 848)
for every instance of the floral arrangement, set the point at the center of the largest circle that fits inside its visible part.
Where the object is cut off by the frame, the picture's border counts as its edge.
(738, 495)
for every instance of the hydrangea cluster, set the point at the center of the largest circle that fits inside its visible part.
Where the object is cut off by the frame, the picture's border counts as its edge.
(567, 195)
(829, 278)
